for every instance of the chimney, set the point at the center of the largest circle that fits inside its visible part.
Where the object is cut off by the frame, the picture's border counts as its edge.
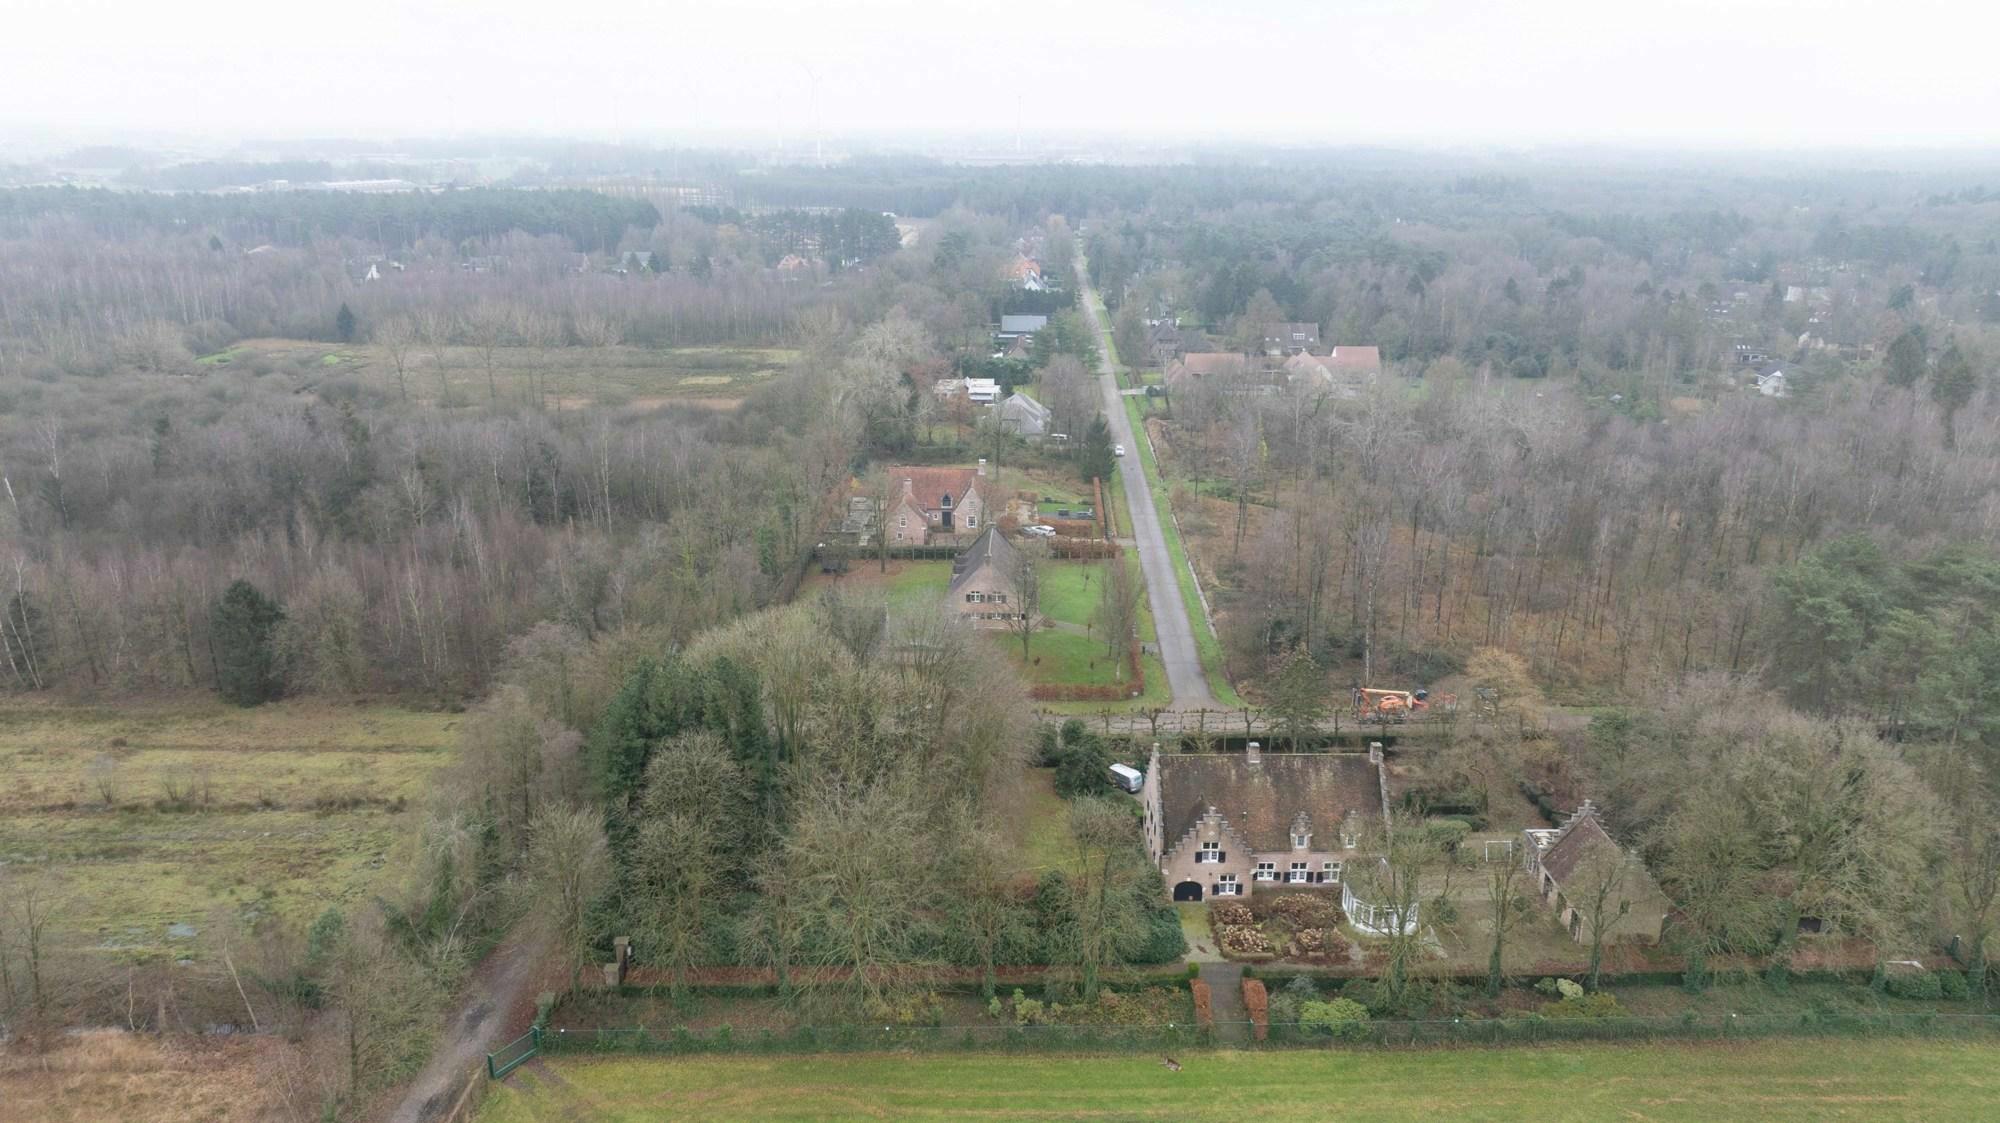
(1374, 752)
(982, 465)
(1253, 753)
(909, 486)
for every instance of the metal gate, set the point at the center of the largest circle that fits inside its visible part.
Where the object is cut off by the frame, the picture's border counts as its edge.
(514, 1054)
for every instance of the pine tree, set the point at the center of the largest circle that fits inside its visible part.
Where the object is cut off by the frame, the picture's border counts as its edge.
(1298, 696)
(343, 324)
(1908, 358)
(1952, 385)
(1096, 460)
(244, 629)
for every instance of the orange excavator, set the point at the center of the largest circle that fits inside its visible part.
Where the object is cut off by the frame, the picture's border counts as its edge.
(1389, 705)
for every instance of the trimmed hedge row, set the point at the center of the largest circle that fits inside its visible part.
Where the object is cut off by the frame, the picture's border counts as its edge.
(1532, 1029)
(878, 1038)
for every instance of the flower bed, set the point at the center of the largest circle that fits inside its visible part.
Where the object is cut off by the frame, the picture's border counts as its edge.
(1301, 926)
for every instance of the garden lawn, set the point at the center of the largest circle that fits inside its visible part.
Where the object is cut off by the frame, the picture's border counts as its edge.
(1878, 1078)
(1044, 842)
(1070, 589)
(1061, 658)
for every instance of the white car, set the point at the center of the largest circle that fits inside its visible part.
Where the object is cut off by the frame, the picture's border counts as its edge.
(1117, 450)
(1040, 530)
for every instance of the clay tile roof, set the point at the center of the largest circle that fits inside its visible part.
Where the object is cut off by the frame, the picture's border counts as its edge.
(1345, 357)
(1261, 801)
(1205, 363)
(932, 484)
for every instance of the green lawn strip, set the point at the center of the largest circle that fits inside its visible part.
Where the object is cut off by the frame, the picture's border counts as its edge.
(917, 583)
(1155, 694)
(1045, 840)
(1070, 590)
(1104, 338)
(1061, 658)
(1205, 642)
(1780, 1080)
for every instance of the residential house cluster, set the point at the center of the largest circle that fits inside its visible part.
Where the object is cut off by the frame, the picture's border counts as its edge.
(1343, 370)
(1290, 353)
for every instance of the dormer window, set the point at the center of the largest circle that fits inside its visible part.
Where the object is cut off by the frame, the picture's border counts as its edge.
(1301, 841)
(945, 502)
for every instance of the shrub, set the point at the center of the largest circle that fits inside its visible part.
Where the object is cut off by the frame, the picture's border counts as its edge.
(1048, 745)
(1363, 991)
(1232, 913)
(1306, 910)
(1582, 1006)
(1164, 940)
(1302, 988)
(1237, 939)
(1342, 1019)
(1954, 984)
(1559, 988)
(918, 1008)
(1083, 768)
(1924, 986)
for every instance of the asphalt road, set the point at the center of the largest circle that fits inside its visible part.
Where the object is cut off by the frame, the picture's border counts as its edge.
(1170, 617)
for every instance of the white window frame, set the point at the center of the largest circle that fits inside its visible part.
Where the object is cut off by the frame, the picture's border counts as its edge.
(1267, 871)
(1301, 841)
(971, 522)
(1228, 886)
(1329, 871)
(1209, 852)
(1297, 874)
(902, 522)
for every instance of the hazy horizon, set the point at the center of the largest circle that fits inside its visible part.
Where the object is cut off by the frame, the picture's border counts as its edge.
(1427, 74)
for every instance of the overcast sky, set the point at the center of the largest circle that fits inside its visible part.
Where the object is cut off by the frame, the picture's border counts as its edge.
(1796, 72)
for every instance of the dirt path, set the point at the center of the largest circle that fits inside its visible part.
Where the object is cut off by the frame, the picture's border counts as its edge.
(497, 1006)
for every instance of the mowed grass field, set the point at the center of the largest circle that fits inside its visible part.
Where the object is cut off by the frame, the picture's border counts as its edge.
(140, 822)
(1846, 1078)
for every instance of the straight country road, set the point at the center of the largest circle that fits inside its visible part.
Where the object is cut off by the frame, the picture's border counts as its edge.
(1163, 590)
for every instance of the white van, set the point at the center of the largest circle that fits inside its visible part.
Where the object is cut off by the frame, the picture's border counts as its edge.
(1127, 779)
